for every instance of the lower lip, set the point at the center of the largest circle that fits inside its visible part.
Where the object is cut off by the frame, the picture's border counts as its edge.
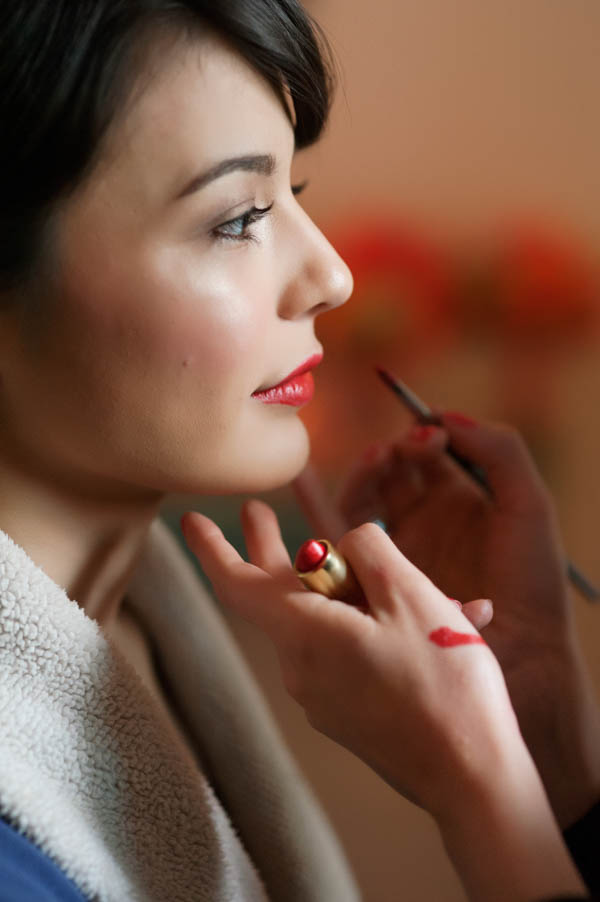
(295, 392)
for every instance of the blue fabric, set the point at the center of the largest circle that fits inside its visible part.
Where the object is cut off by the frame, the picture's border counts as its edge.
(28, 875)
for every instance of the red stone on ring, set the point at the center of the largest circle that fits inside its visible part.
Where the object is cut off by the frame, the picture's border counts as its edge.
(310, 555)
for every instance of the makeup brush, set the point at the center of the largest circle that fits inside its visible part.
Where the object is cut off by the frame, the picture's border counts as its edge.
(426, 416)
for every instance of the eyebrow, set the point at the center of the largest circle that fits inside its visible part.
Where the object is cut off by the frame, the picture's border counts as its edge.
(263, 164)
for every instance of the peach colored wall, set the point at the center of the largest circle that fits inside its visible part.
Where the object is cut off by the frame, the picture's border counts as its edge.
(455, 112)
(461, 109)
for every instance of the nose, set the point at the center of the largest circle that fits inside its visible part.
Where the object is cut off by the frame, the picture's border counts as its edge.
(318, 279)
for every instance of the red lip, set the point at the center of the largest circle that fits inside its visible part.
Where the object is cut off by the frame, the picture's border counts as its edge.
(295, 389)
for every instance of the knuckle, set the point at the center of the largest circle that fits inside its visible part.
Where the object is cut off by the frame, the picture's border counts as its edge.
(355, 648)
(387, 581)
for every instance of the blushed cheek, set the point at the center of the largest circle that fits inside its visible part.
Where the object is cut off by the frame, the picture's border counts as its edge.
(204, 343)
(211, 328)
(159, 310)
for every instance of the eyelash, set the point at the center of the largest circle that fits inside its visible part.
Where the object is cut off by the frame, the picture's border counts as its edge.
(254, 214)
(244, 220)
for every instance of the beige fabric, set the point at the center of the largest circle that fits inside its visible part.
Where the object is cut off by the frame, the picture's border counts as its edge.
(88, 769)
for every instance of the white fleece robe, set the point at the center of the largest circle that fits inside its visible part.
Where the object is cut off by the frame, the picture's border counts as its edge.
(90, 773)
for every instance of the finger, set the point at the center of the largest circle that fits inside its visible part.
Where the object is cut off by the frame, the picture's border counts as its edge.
(418, 464)
(392, 476)
(252, 593)
(424, 447)
(479, 612)
(426, 440)
(514, 480)
(241, 586)
(202, 533)
(388, 579)
(264, 543)
(320, 512)
(359, 497)
(393, 586)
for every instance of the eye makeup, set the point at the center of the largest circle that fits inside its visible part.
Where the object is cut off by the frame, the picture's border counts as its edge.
(228, 231)
(243, 222)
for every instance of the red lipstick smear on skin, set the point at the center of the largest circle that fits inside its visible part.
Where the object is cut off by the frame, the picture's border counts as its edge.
(446, 638)
(296, 389)
(310, 555)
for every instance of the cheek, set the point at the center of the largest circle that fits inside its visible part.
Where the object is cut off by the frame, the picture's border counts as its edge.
(209, 322)
(162, 306)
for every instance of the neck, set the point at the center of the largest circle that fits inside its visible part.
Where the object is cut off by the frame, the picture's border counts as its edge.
(88, 542)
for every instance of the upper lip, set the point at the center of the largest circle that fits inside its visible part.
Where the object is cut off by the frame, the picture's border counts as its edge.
(314, 360)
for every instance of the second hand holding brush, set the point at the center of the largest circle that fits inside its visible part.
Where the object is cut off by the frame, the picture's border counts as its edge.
(426, 416)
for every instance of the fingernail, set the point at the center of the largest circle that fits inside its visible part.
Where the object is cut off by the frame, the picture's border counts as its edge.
(421, 433)
(456, 602)
(460, 419)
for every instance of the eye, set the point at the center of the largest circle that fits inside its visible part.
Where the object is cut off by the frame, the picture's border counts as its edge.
(238, 229)
(298, 189)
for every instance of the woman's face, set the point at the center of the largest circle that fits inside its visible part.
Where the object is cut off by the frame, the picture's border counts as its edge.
(169, 310)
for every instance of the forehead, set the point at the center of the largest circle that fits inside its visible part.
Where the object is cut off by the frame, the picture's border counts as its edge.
(193, 104)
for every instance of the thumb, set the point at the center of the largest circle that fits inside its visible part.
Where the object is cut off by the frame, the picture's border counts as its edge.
(500, 450)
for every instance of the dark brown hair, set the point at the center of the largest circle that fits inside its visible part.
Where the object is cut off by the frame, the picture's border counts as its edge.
(65, 67)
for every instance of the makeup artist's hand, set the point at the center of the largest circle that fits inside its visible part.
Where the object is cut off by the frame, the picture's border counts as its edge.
(435, 722)
(506, 548)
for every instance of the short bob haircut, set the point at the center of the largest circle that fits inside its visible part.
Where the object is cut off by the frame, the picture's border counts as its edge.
(67, 67)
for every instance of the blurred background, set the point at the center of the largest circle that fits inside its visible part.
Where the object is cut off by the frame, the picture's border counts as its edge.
(459, 178)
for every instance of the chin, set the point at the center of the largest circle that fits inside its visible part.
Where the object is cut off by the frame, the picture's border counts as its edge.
(277, 470)
(273, 465)
(246, 465)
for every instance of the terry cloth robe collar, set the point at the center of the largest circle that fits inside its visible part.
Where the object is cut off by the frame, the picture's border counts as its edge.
(89, 772)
